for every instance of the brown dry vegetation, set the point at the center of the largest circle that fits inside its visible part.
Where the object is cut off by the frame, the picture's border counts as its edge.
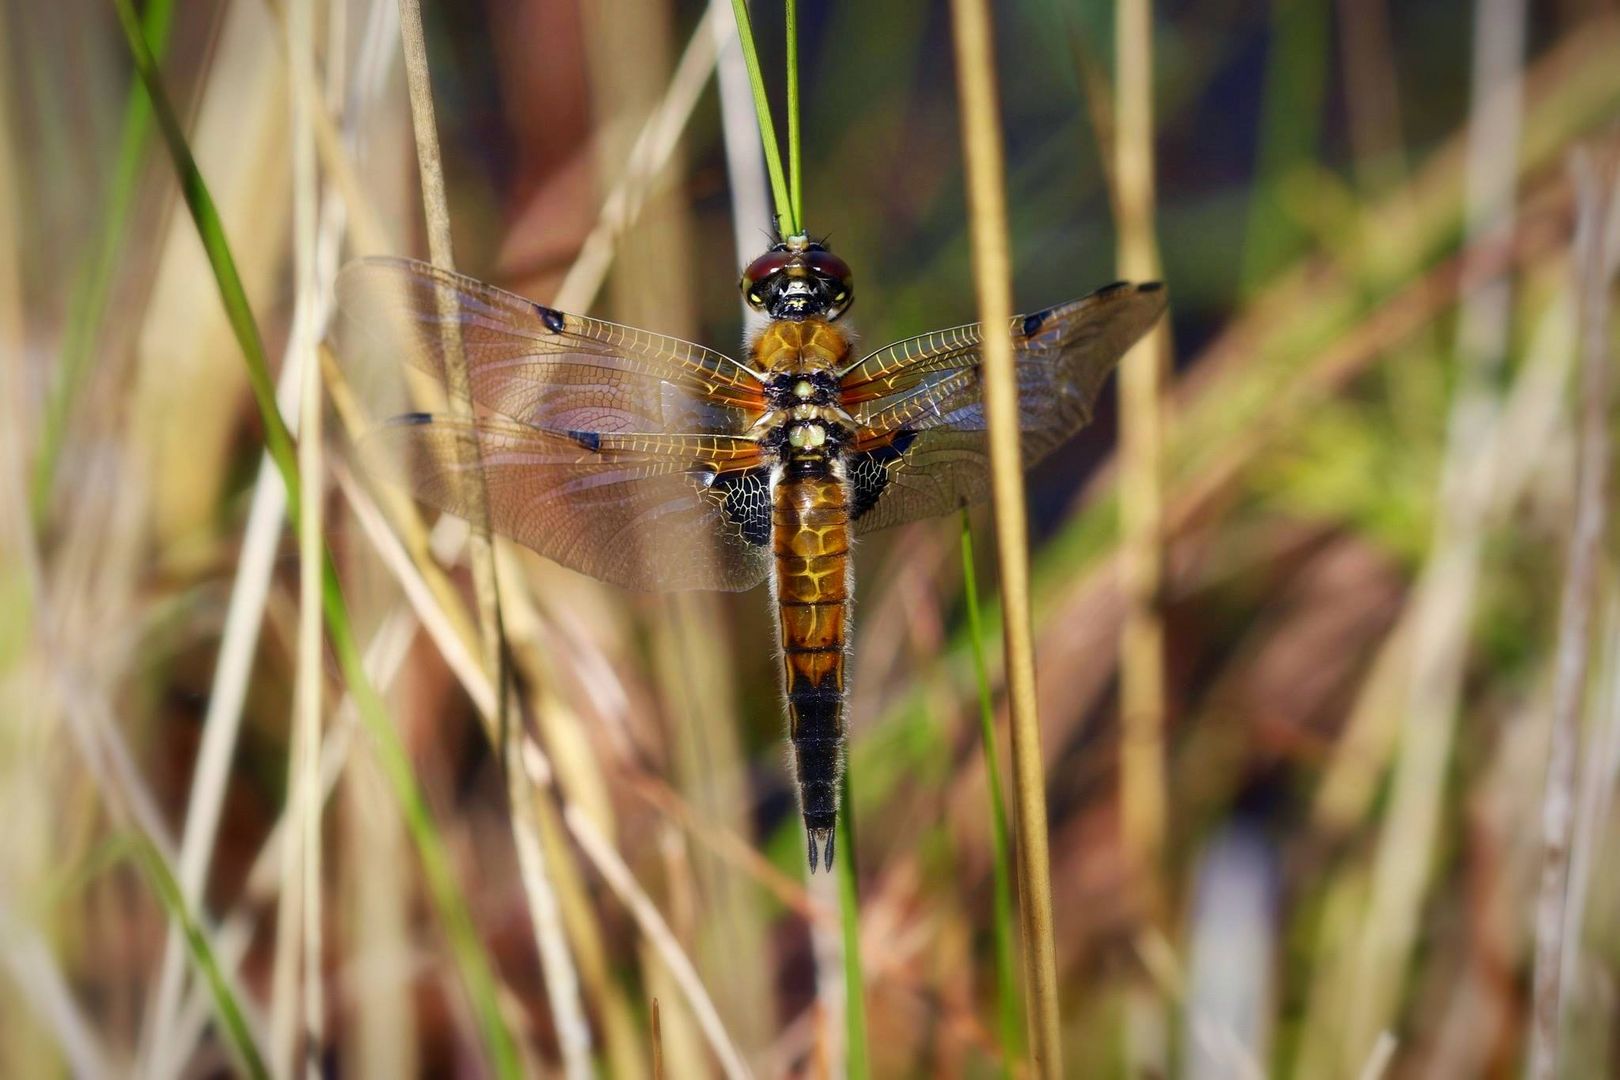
(1378, 527)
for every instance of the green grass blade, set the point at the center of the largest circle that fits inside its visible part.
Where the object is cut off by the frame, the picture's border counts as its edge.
(858, 1066)
(212, 234)
(795, 160)
(88, 301)
(1009, 1010)
(477, 971)
(231, 1017)
(786, 220)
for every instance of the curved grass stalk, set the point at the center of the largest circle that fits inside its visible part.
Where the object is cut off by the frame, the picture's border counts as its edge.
(992, 267)
(231, 1018)
(250, 586)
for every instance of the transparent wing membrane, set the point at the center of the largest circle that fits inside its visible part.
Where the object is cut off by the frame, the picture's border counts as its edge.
(921, 449)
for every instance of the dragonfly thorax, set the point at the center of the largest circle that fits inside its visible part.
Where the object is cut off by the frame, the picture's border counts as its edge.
(789, 390)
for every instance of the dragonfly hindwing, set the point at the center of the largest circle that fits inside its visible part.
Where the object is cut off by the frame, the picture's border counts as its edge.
(870, 471)
(745, 500)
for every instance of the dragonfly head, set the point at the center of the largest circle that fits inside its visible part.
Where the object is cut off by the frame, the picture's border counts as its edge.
(798, 278)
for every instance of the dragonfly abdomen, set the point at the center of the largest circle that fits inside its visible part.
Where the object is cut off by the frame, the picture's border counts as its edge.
(810, 538)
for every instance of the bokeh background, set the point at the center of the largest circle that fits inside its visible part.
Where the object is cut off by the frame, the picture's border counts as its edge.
(1366, 214)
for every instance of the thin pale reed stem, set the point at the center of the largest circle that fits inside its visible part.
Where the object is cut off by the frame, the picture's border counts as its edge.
(562, 983)
(33, 966)
(1595, 262)
(992, 265)
(654, 146)
(250, 587)
(311, 667)
(1141, 481)
(1445, 594)
(1141, 518)
(437, 212)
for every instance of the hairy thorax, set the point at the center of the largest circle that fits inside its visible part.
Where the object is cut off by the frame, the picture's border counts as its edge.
(792, 347)
(803, 420)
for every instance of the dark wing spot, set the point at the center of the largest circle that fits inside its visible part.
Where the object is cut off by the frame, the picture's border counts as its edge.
(411, 419)
(590, 440)
(1112, 287)
(1150, 286)
(745, 500)
(551, 317)
(1032, 323)
(869, 471)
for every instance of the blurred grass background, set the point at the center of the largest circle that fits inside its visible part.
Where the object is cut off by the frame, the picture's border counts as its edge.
(1365, 215)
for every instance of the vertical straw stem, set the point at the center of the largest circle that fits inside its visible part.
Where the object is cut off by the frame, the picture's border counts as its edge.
(1141, 488)
(437, 212)
(987, 206)
(787, 220)
(1595, 265)
(562, 984)
(298, 943)
(795, 161)
(311, 668)
(1007, 1007)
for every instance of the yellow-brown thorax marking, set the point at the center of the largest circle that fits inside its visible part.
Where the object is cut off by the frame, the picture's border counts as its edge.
(815, 350)
(790, 348)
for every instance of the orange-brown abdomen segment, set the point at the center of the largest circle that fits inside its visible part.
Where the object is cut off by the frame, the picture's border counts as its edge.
(810, 536)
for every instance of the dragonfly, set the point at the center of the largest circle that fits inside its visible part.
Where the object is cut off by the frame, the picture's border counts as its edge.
(652, 463)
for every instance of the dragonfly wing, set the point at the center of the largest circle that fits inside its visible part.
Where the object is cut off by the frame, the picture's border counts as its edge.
(537, 365)
(641, 511)
(921, 449)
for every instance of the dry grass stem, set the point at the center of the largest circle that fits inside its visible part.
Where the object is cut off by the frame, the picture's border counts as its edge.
(1446, 590)
(992, 266)
(32, 965)
(1141, 501)
(562, 983)
(1597, 256)
(1379, 1058)
(654, 146)
(311, 282)
(652, 925)
(1309, 595)
(459, 392)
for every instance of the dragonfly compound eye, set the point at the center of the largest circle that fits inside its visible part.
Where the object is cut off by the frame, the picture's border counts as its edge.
(756, 280)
